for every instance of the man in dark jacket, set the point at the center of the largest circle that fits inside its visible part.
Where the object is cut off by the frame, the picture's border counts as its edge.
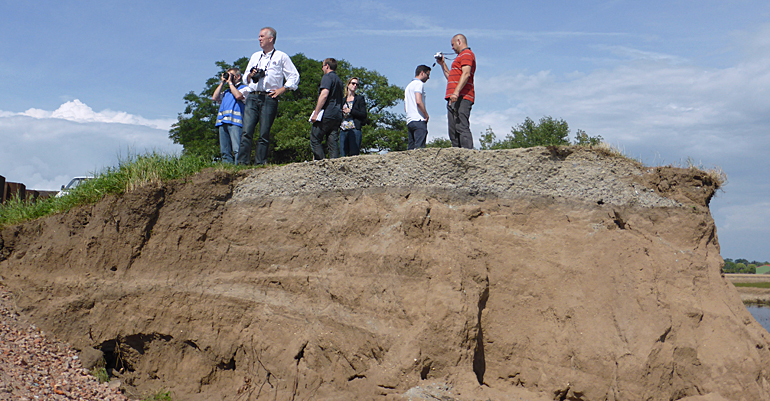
(327, 116)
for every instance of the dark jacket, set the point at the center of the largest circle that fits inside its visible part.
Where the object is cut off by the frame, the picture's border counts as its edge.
(358, 111)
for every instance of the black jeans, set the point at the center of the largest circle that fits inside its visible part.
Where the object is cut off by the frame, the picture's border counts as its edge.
(325, 130)
(260, 109)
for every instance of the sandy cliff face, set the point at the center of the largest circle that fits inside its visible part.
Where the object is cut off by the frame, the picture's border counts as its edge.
(536, 274)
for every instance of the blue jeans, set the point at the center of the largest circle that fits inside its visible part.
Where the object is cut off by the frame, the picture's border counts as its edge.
(260, 109)
(418, 133)
(229, 142)
(350, 142)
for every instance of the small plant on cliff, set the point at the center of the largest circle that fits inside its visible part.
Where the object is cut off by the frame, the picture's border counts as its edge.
(160, 395)
(100, 374)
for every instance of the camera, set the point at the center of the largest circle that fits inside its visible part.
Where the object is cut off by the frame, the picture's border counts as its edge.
(258, 74)
(438, 55)
(226, 75)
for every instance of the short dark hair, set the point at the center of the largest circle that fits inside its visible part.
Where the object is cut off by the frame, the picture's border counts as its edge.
(332, 63)
(420, 69)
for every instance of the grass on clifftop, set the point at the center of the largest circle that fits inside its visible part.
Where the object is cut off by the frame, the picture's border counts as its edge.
(133, 172)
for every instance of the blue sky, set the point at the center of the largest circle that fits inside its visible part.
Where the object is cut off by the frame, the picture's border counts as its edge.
(85, 82)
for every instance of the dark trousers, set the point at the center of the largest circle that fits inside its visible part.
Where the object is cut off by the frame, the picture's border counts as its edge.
(258, 109)
(325, 130)
(418, 133)
(458, 118)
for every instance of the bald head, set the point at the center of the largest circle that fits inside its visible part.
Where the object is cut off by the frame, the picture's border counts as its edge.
(459, 43)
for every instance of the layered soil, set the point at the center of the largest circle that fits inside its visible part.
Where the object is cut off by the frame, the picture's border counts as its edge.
(534, 274)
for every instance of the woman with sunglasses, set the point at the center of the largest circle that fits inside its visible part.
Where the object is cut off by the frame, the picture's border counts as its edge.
(354, 113)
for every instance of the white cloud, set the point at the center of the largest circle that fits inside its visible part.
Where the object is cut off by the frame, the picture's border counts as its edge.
(78, 111)
(45, 149)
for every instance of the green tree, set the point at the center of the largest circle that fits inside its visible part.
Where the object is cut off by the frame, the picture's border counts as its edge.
(439, 143)
(582, 139)
(290, 134)
(729, 266)
(488, 139)
(546, 132)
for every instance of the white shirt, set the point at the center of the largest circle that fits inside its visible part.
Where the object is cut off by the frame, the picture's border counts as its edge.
(413, 113)
(278, 66)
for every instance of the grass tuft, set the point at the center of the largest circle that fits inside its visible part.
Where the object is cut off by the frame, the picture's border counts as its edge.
(160, 395)
(100, 374)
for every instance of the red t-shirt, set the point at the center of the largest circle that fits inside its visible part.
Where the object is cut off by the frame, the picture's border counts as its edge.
(466, 57)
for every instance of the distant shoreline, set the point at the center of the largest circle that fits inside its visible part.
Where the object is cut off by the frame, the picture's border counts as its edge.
(752, 295)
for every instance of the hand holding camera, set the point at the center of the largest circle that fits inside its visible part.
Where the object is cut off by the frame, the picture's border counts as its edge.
(257, 74)
(225, 76)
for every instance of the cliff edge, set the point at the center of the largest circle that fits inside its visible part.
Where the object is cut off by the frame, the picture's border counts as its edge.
(531, 274)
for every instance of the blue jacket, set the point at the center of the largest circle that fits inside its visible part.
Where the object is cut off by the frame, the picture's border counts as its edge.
(231, 110)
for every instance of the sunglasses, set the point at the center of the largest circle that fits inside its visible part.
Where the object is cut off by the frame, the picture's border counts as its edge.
(354, 83)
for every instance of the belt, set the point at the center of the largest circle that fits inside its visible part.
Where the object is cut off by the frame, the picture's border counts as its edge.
(261, 93)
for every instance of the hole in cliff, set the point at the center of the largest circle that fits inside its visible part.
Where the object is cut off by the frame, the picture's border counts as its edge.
(113, 357)
(600, 202)
(356, 376)
(618, 220)
(114, 268)
(229, 365)
(479, 361)
(121, 353)
(425, 370)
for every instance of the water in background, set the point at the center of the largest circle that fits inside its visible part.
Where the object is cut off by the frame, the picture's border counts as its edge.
(761, 314)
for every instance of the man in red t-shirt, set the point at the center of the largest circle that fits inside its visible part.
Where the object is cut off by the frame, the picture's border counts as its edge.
(460, 94)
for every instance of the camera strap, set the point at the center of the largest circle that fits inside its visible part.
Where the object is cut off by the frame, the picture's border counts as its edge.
(266, 67)
(268, 59)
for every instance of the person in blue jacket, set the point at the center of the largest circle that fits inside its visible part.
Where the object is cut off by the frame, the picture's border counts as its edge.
(230, 116)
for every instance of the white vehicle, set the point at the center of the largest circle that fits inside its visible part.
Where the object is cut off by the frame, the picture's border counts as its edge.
(73, 184)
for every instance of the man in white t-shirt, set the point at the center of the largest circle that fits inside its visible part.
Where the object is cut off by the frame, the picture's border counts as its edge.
(416, 113)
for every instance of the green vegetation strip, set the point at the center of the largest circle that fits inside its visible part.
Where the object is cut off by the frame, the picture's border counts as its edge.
(755, 285)
(133, 172)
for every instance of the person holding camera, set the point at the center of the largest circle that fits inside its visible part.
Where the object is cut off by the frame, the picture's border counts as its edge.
(327, 115)
(354, 113)
(460, 94)
(230, 116)
(270, 74)
(414, 105)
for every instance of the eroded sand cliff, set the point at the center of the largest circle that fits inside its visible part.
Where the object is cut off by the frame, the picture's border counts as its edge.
(561, 274)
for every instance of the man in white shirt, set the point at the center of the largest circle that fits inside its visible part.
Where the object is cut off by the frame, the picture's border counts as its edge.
(414, 104)
(270, 73)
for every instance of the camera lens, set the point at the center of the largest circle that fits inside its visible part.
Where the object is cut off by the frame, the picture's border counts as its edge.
(227, 76)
